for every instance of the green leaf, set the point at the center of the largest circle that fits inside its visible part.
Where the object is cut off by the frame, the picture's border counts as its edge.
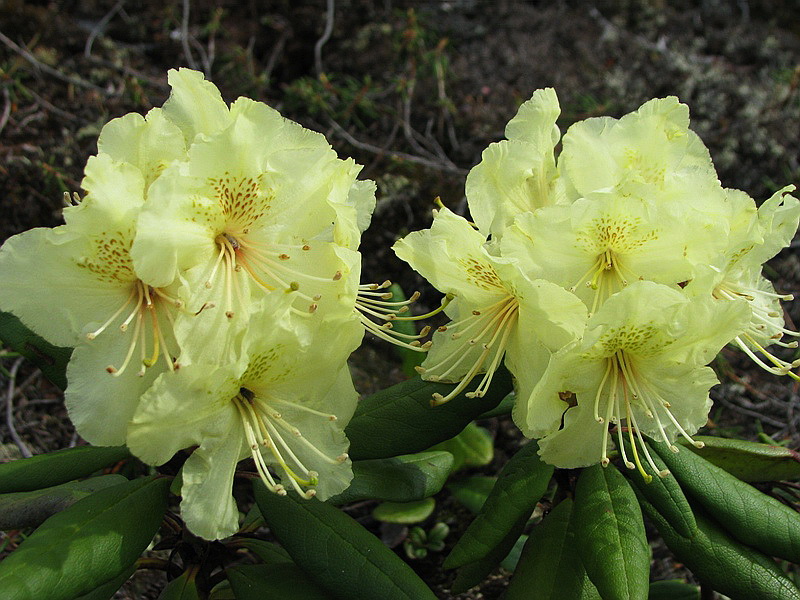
(400, 419)
(666, 495)
(51, 360)
(673, 589)
(107, 590)
(750, 516)
(182, 588)
(335, 551)
(520, 485)
(749, 461)
(46, 470)
(405, 513)
(504, 408)
(608, 521)
(729, 567)
(473, 447)
(547, 568)
(222, 591)
(267, 551)
(474, 572)
(472, 491)
(399, 479)
(510, 562)
(30, 509)
(87, 544)
(284, 581)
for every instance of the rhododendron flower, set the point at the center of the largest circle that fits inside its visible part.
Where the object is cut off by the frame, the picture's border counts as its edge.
(735, 276)
(76, 285)
(518, 174)
(640, 361)
(282, 400)
(649, 154)
(597, 245)
(496, 309)
(260, 204)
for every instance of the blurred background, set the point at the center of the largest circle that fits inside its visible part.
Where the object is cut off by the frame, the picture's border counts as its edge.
(414, 91)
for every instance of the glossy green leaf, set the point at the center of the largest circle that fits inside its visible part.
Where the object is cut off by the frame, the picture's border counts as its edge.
(399, 479)
(726, 565)
(505, 407)
(405, 513)
(749, 515)
(673, 590)
(87, 544)
(749, 461)
(473, 447)
(20, 510)
(182, 588)
(338, 553)
(608, 521)
(548, 568)
(472, 491)
(400, 419)
(520, 485)
(666, 495)
(266, 551)
(284, 581)
(474, 572)
(53, 468)
(107, 590)
(222, 591)
(51, 360)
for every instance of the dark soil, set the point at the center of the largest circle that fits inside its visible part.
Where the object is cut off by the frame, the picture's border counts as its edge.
(414, 91)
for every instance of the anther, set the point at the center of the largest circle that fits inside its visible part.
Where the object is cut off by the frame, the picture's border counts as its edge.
(337, 276)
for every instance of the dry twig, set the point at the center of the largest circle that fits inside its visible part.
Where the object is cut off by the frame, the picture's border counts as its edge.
(26, 453)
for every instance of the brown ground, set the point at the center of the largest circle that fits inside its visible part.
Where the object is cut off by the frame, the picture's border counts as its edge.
(414, 91)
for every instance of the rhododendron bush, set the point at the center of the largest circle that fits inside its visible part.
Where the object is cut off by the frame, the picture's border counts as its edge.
(206, 285)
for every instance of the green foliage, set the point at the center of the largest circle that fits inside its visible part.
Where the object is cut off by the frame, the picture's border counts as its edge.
(182, 588)
(399, 479)
(520, 485)
(749, 515)
(749, 461)
(400, 420)
(52, 360)
(666, 495)
(30, 509)
(338, 553)
(405, 513)
(548, 568)
(51, 469)
(473, 447)
(87, 545)
(724, 564)
(285, 581)
(673, 590)
(419, 542)
(472, 491)
(608, 521)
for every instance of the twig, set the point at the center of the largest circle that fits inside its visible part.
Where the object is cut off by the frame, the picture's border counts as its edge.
(10, 409)
(277, 50)
(326, 35)
(48, 69)
(431, 164)
(752, 413)
(187, 50)
(100, 27)
(6, 110)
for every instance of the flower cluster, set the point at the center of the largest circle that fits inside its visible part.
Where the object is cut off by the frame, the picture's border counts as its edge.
(606, 278)
(209, 283)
